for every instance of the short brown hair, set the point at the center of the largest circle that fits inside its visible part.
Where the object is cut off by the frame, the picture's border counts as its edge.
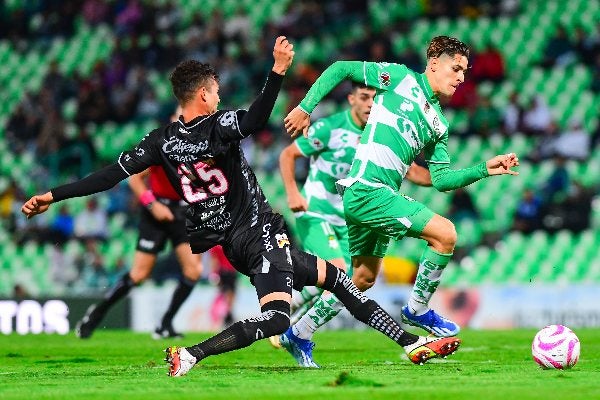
(448, 45)
(188, 77)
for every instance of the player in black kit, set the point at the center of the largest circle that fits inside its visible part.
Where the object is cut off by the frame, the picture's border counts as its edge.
(202, 158)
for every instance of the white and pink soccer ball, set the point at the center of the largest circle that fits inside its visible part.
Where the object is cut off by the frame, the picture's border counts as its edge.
(555, 347)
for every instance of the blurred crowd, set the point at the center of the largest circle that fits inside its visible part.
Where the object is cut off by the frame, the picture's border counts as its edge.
(155, 36)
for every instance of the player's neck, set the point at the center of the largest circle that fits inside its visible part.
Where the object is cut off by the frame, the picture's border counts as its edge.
(192, 111)
(432, 81)
(356, 120)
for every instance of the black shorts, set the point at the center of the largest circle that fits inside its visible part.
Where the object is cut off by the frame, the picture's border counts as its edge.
(153, 235)
(265, 254)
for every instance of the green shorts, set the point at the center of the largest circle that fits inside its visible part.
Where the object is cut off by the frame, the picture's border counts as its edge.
(323, 239)
(376, 215)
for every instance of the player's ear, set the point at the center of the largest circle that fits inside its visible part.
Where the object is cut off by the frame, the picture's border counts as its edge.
(202, 93)
(351, 98)
(434, 62)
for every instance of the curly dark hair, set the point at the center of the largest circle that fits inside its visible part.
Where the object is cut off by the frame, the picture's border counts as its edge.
(188, 76)
(448, 45)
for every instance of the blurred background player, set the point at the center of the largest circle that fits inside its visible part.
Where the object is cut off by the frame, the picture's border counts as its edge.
(161, 219)
(226, 277)
(331, 145)
(405, 120)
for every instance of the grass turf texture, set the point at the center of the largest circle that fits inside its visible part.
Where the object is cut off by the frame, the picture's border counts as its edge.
(355, 364)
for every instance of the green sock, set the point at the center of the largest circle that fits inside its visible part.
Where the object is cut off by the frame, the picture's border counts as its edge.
(428, 279)
(307, 295)
(323, 311)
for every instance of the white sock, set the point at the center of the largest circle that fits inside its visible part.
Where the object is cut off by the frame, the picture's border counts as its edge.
(324, 309)
(416, 307)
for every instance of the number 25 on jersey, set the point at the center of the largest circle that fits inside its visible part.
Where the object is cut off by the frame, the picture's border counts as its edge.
(207, 180)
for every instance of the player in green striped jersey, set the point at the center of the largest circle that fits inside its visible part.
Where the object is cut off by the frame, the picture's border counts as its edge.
(331, 145)
(405, 120)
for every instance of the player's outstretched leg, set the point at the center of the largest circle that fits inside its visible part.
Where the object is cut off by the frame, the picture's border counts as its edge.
(274, 320)
(95, 313)
(417, 312)
(419, 349)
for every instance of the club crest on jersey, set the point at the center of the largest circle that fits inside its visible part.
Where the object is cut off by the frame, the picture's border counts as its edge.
(228, 119)
(385, 79)
(317, 144)
(282, 240)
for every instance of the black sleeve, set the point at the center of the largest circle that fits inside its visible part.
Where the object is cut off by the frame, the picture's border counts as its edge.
(129, 163)
(260, 110)
(97, 182)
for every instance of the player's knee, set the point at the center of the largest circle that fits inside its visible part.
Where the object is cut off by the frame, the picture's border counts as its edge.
(446, 238)
(363, 279)
(449, 238)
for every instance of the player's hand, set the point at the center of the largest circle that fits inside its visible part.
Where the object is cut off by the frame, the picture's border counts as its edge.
(297, 203)
(297, 122)
(37, 204)
(161, 213)
(283, 54)
(502, 164)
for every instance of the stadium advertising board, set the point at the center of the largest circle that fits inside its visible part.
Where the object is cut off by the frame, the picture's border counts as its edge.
(54, 315)
(483, 307)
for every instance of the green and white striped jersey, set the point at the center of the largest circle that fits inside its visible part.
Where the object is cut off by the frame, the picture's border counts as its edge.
(331, 145)
(405, 119)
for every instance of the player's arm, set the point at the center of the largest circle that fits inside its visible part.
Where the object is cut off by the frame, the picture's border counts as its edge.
(99, 181)
(315, 143)
(444, 178)
(287, 167)
(418, 175)
(259, 111)
(378, 75)
(298, 120)
(142, 192)
(131, 162)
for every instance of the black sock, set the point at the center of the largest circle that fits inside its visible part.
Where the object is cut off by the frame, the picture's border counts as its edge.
(274, 320)
(180, 294)
(116, 293)
(363, 308)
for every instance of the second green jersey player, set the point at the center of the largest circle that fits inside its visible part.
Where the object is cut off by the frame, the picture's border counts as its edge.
(406, 119)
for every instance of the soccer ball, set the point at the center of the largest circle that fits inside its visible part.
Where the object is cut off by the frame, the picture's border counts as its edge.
(555, 347)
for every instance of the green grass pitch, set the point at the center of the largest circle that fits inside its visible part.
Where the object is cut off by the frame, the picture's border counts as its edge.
(355, 365)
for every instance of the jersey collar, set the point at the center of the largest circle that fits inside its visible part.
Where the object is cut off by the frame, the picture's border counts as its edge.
(191, 124)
